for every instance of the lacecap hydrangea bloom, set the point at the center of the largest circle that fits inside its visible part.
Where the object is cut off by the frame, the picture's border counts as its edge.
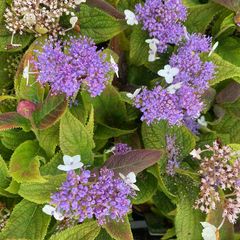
(163, 21)
(88, 195)
(219, 173)
(71, 65)
(121, 148)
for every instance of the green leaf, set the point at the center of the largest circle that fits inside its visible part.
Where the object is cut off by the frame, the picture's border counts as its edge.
(24, 163)
(119, 230)
(225, 69)
(51, 167)
(99, 25)
(75, 139)
(13, 187)
(169, 234)
(105, 132)
(133, 161)
(154, 137)
(200, 16)
(187, 221)
(147, 184)
(11, 120)
(4, 174)
(12, 138)
(90, 123)
(138, 47)
(50, 111)
(27, 221)
(105, 107)
(49, 139)
(85, 231)
(40, 192)
(103, 235)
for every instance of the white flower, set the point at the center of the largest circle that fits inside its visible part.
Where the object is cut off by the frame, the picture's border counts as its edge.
(73, 21)
(130, 179)
(174, 87)
(26, 72)
(30, 19)
(196, 153)
(202, 121)
(70, 163)
(132, 96)
(153, 43)
(209, 231)
(152, 56)
(130, 17)
(52, 211)
(114, 65)
(213, 48)
(168, 73)
(186, 34)
(79, 1)
(112, 149)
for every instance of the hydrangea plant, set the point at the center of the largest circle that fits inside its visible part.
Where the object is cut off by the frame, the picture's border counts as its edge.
(115, 111)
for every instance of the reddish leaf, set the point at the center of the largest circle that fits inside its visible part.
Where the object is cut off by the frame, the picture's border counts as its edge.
(13, 120)
(133, 161)
(50, 111)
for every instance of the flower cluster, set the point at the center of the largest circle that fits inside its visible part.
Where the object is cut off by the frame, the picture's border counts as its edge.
(158, 104)
(192, 70)
(180, 102)
(87, 195)
(38, 16)
(163, 20)
(67, 71)
(173, 154)
(217, 172)
(121, 148)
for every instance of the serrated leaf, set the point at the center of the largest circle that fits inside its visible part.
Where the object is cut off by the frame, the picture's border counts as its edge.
(154, 136)
(24, 163)
(119, 230)
(11, 120)
(225, 70)
(49, 139)
(4, 174)
(27, 221)
(147, 184)
(51, 167)
(50, 111)
(138, 47)
(200, 16)
(40, 192)
(75, 139)
(13, 187)
(133, 161)
(85, 231)
(99, 25)
(105, 132)
(12, 138)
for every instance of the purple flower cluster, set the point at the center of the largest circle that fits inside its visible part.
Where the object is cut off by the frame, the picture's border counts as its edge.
(185, 105)
(163, 20)
(121, 148)
(73, 64)
(86, 196)
(158, 104)
(173, 154)
(218, 173)
(192, 70)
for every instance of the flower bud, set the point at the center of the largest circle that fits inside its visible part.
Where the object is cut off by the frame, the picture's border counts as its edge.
(26, 108)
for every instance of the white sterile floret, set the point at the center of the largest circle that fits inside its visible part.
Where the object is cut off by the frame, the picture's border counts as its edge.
(213, 48)
(173, 88)
(168, 73)
(130, 17)
(112, 149)
(196, 153)
(71, 163)
(52, 211)
(209, 231)
(133, 95)
(114, 65)
(79, 1)
(73, 21)
(153, 43)
(152, 55)
(202, 121)
(130, 179)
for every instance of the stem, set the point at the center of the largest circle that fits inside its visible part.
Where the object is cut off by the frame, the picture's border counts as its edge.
(221, 224)
(106, 7)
